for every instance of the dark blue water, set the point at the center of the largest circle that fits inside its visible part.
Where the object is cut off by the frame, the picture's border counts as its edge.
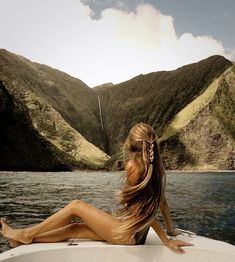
(200, 202)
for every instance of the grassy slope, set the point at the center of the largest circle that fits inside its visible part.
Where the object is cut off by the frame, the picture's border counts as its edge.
(51, 125)
(22, 147)
(205, 138)
(73, 99)
(192, 109)
(23, 86)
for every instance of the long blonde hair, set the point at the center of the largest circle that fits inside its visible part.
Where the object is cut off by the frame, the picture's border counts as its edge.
(141, 202)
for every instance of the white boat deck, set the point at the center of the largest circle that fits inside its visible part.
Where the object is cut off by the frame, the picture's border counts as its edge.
(204, 250)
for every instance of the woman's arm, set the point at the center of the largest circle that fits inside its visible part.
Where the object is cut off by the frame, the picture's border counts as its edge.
(174, 245)
(156, 227)
(167, 218)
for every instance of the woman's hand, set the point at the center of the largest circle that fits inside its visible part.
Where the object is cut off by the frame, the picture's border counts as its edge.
(175, 245)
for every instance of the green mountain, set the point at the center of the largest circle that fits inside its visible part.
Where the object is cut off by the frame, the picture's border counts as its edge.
(41, 111)
(52, 121)
(154, 98)
(202, 135)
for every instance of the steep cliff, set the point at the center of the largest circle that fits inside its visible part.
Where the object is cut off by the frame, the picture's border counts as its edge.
(202, 135)
(22, 147)
(33, 134)
(73, 99)
(52, 121)
(154, 98)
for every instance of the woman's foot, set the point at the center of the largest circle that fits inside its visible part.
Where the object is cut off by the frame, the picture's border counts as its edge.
(14, 243)
(15, 236)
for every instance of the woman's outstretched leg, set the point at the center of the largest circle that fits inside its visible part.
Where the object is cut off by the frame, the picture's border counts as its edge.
(71, 231)
(97, 220)
(75, 231)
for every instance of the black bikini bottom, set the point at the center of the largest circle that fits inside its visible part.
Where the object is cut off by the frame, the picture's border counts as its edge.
(140, 237)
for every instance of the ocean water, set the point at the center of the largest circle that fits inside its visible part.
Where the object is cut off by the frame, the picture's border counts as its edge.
(200, 202)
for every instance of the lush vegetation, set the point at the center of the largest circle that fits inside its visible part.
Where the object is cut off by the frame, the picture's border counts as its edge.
(22, 147)
(39, 108)
(154, 98)
(73, 99)
(47, 117)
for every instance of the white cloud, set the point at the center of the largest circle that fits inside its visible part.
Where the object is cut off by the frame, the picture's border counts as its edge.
(118, 46)
(231, 54)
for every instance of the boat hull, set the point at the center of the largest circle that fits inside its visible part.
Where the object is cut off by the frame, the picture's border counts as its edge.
(204, 249)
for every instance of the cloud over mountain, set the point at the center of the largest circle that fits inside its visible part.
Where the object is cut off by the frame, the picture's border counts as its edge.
(115, 47)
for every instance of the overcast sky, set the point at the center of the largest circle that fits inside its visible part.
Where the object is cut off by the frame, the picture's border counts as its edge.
(101, 41)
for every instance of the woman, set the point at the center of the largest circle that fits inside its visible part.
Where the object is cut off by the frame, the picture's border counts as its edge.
(141, 196)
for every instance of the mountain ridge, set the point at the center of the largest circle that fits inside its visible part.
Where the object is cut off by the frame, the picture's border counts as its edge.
(60, 89)
(169, 89)
(208, 140)
(73, 124)
(29, 100)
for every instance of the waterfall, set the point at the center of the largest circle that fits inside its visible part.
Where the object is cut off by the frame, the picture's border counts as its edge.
(100, 112)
